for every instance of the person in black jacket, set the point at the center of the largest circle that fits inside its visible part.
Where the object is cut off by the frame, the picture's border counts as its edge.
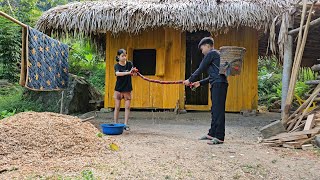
(123, 70)
(218, 87)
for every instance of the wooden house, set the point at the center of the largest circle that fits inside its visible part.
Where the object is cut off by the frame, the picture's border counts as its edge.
(161, 38)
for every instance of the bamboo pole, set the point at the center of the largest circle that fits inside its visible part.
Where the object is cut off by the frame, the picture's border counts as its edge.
(297, 62)
(304, 11)
(12, 19)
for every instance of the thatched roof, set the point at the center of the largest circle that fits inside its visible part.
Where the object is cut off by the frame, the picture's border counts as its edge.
(132, 16)
(312, 48)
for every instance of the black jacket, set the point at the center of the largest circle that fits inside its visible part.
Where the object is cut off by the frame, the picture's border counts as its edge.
(207, 65)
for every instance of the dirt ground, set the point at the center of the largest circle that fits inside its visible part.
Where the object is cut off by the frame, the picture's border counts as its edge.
(162, 145)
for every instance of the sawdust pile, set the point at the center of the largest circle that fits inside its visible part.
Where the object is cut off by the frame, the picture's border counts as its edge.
(31, 138)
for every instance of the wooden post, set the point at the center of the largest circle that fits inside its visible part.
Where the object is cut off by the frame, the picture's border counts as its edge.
(287, 65)
(61, 105)
(295, 69)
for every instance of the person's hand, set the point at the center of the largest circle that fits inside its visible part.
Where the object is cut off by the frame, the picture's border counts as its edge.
(186, 82)
(133, 71)
(196, 84)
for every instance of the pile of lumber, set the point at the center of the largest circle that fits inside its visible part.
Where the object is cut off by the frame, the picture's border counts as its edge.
(299, 129)
(299, 139)
(297, 120)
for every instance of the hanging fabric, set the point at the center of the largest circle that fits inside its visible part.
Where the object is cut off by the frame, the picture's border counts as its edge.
(44, 65)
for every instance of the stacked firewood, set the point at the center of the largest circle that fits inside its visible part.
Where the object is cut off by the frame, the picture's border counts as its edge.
(304, 124)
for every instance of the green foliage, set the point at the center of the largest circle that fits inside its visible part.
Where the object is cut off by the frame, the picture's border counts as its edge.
(5, 114)
(87, 175)
(270, 80)
(10, 43)
(12, 100)
(84, 61)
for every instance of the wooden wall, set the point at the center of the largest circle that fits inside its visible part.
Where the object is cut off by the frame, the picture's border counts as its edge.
(170, 66)
(243, 89)
(171, 51)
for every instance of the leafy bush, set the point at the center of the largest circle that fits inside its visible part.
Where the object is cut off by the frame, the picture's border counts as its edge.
(5, 114)
(10, 44)
(84, 61)
(270, 80)
(12, 100)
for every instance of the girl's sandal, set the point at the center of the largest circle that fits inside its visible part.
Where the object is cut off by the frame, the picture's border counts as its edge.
(215, 141)
(127, 128)
(206, 137)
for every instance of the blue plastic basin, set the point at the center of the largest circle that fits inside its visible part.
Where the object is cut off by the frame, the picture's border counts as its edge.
(112, 129)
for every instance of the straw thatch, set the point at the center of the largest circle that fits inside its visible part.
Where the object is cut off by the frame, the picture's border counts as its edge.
(279, 36)
(132, 16)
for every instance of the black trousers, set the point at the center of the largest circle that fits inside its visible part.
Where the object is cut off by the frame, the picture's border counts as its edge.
(218, 99)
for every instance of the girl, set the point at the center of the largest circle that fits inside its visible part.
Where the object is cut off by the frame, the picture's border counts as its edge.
(123, 70)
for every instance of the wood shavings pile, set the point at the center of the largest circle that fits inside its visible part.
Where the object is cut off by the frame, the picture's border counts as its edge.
(34, 139)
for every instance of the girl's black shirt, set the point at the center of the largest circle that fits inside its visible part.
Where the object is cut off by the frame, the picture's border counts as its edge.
(124, 83)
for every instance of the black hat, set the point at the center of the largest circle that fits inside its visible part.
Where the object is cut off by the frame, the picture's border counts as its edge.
(206, 40)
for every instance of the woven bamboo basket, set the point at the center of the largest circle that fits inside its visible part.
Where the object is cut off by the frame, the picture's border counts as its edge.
(234, 56)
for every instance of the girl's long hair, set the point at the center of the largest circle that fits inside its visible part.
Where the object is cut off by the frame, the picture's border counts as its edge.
(120, 51)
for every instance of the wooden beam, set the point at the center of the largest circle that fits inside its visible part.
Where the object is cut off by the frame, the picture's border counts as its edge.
(309, 123)
(287, 66)
(315, 3)
(312, 24)
(312, 82)
(12, 19)
(292, 145)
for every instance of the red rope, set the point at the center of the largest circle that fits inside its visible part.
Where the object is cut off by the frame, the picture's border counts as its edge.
(159, 81)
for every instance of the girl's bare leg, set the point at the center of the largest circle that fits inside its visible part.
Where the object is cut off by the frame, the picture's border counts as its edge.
(127, 111)
(116, 110)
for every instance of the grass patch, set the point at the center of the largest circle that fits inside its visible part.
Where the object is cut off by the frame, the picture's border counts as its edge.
(12, 101)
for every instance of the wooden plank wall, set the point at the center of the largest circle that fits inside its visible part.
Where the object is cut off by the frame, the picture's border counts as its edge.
(171, 47)
(168, 44)
(243, 89)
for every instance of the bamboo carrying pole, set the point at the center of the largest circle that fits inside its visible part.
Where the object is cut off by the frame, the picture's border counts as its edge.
(12, 19)
(297, 61)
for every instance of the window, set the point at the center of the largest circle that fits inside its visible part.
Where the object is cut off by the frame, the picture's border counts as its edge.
(145, 61)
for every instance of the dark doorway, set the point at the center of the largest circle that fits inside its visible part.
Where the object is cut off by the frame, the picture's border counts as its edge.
(193, 59)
